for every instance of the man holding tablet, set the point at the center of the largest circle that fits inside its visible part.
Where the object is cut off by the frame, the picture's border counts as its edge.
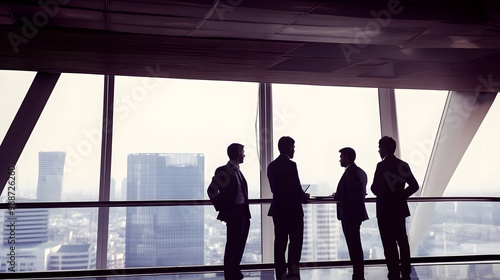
(286, 210)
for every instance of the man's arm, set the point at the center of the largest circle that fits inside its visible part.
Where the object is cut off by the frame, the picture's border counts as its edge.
(375, 188)
(297, 189)
(214, 189)
(411, 181)
(355, 195)
(270, 176)
(412, 186)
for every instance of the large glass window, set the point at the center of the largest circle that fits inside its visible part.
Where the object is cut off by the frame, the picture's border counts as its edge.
(322, 120)
(60, 162)
(169, 137)
(419, 113)
(477, 172)
(49, 239)
(61, 159)
(13, 88)
(461, 228)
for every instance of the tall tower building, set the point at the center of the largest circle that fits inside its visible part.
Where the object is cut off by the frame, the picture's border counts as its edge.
(112, 190)
(165, 236)
(321, 230)
(123, 190)
(50, 176)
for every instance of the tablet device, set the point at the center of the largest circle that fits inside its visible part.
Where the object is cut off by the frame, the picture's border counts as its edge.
(329, 197)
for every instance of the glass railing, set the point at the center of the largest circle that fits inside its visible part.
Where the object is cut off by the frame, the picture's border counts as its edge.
(149, 237)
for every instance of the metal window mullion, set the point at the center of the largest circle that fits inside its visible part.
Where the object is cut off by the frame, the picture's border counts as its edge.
(388, 115)
(105, 175)
(266, 156)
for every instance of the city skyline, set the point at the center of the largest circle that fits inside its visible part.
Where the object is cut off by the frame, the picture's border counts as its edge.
(155, 172)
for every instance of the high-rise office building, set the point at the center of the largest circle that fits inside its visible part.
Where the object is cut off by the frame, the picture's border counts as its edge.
(112, 190)
(321, 233)
(73, 257)
(25, 235)
(50, 176)
(321, 229)
(28, 258)
(28, 227)
(123, 190)
(165, 236)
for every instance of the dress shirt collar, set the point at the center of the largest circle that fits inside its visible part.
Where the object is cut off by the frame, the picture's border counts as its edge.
(389, 155)
(234, 163)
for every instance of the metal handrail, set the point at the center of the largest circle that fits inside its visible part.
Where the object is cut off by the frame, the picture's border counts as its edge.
(94, 204)
(149, 271)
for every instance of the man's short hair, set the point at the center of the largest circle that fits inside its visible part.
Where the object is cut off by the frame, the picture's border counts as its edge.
(349, 152)
(285, 143)
(388, 143)
(233, 150)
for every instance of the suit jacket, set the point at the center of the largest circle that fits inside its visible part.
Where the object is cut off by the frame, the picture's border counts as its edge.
(223, 189)
(351, 192)
(288, 195)
(389, 185)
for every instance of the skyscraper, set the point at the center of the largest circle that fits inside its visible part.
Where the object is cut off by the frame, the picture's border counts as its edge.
(321, 233)
(321, 230)
(50, 176)
(165, 236)
(28, 227)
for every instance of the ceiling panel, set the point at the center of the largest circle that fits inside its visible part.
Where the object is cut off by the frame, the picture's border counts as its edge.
(261, 30)
(152, 21)
(299, 6)
(309, 65)
(243, 14)
(189, 9)
(81, 4)
(411, 44)
(441, 55)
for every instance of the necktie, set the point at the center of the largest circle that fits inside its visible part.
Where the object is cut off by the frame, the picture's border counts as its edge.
(241, 183)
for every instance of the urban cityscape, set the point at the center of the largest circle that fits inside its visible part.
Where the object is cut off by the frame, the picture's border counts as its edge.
(65, 239)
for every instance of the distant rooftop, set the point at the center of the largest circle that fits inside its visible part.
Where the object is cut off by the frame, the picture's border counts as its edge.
(80, 248)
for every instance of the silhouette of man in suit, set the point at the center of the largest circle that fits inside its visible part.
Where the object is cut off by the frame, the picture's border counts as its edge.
(351, 210)
(286, 210)
(389, 185)
(228, 192)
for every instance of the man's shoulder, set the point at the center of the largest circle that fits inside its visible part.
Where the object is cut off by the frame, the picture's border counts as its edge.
(221, 168)
(227, 168)
(380, 163)
(359, 170)
(399, 161)
(402, 161)
(280, 160)
(356, 171)
(279, 163)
